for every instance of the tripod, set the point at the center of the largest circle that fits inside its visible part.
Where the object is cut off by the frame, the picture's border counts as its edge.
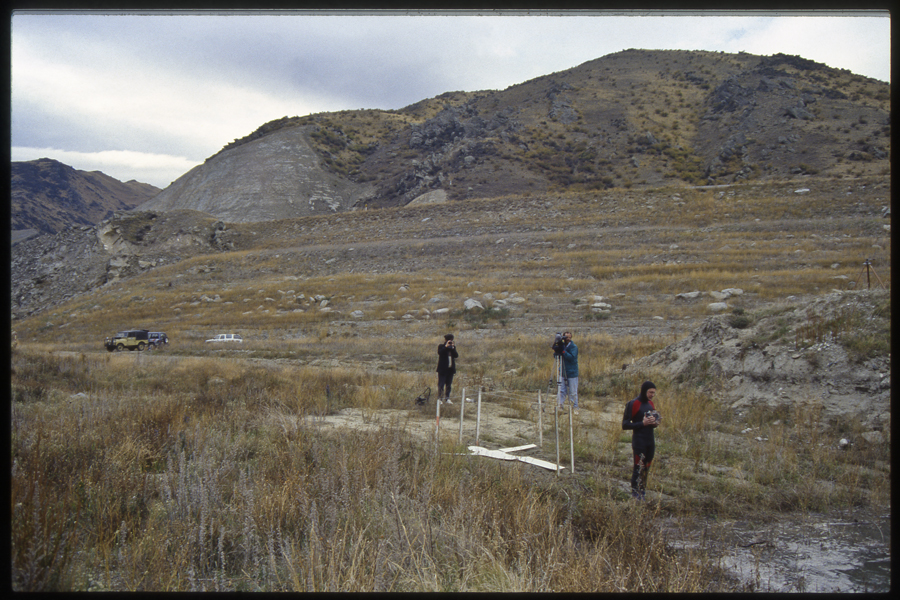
(559, 375)
(867, 266)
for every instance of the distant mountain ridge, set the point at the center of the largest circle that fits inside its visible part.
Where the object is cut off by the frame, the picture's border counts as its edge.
(633, 119)
(48, 196)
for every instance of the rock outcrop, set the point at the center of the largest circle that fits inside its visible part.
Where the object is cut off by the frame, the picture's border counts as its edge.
(795, 356)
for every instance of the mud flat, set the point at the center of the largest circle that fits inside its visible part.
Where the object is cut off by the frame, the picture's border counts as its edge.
(812, 553)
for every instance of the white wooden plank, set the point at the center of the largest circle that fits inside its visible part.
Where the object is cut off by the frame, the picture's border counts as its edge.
(501, 455)
(517, 448)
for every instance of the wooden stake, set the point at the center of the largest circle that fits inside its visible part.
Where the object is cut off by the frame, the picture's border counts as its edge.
(556, 427)
(540, 421)
(478, 418)
(571, 439)
(462, 411)
(437, 422)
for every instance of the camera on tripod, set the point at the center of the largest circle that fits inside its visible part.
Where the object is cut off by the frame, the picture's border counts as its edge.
(559, 344)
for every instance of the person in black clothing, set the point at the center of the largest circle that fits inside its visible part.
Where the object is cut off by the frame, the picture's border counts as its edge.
(446, 367)
(641, 417)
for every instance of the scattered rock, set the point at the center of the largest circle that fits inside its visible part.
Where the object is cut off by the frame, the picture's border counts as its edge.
(688, 295)
(764, 366)
(472, 304)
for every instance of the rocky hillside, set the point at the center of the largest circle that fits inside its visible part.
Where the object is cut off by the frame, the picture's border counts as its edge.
(47, 196)
(634, 119)
(826, 358)
(49, 269)
(512, 237)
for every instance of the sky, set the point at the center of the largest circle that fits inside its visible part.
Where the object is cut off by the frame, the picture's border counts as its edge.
(149, 96)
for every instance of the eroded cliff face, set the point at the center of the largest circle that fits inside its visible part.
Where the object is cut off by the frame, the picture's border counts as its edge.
(278, 176)
(801, 354)
(49, 269)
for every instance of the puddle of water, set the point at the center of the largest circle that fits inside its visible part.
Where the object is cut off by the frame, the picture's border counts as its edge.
(814, 553)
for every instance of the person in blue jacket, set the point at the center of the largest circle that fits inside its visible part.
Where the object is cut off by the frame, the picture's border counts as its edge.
(568, 385)
(641, 418)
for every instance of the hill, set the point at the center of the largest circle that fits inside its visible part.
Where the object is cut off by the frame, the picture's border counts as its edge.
(47, 196)
(607, 237)
(635, 119)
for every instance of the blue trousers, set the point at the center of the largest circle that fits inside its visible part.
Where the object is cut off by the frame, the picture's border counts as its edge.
(568, 387)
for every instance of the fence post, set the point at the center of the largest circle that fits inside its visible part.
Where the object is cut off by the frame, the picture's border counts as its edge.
(556, 427)
(437, 423)
(462, 411)
(478, 418)
(540, 422)
(571, 439)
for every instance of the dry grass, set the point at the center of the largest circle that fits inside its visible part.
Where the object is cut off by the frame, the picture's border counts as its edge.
(637, 250)
(190, 473)
(202, 467)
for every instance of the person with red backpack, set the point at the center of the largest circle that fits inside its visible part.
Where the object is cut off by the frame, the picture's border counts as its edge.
(642, 418)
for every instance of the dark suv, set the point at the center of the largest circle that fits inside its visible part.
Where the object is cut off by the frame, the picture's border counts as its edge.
(157, 339)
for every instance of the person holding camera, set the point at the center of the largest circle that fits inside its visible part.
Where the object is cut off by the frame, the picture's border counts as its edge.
(446, 367)
(568, 384)
(641, 418)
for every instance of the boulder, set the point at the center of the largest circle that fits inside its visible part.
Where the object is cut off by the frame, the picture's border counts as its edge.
(688, 295)
(433, 197)
(471, 304)
(798, 112)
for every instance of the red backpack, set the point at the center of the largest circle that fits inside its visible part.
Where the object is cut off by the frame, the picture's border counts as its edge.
(636, 406)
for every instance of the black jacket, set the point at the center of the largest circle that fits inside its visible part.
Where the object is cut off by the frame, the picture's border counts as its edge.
(634, 419)
(446, 360)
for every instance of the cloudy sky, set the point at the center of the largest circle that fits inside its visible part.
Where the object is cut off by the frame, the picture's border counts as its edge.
(149, 96)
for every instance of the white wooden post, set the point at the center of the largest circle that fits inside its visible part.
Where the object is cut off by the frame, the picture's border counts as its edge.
(540, 421)
(437, 422)
(556, 427)
(571, 439)
(478, 419)
(462, 411)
